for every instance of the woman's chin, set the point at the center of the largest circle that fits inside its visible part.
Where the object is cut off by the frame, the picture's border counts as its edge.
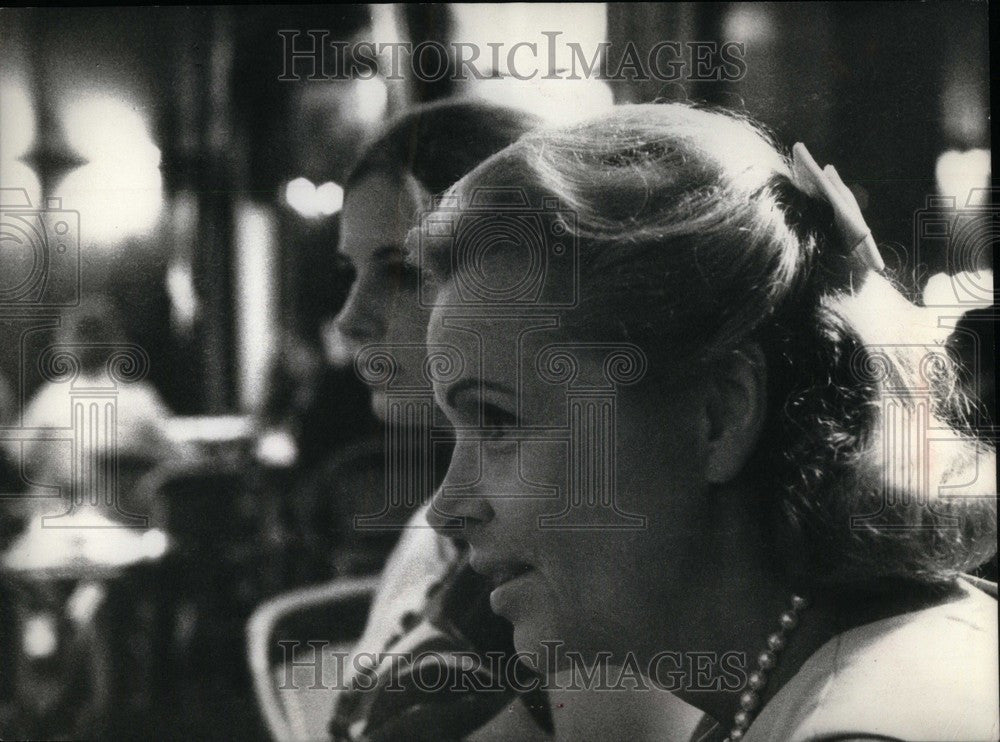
(538, 640)
(525, 639)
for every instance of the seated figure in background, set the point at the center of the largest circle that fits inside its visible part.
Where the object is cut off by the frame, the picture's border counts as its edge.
(136, 439)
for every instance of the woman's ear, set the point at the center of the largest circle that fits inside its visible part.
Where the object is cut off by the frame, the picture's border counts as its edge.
(736, 406)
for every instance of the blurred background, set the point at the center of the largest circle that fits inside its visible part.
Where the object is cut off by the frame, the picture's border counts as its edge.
(206, 192)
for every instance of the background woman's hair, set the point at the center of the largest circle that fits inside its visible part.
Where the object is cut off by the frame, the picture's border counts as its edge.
(438, 143)
(693, 240)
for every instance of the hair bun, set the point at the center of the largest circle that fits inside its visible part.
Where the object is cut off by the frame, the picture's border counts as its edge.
(812, 220)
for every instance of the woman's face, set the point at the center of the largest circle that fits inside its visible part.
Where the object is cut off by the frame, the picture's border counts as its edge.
(527, 446)
(383, 305)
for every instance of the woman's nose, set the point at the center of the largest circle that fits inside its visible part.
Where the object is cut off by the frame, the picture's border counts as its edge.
(454, 510)
(360, 321)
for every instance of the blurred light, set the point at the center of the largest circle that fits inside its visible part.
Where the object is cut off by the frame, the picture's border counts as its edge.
(384, 28)
(39, 639)
(203, 429)
(277, 449)
(85, 600)
(84, 539)
(255, 273)
(512, 23)
(311, 201)
(300, 194)
(749, 23)
(121, 546)
(14, 174)
(102, 127)
(329, 198)
(17, 121)
(119, 193)
(183, 297)
(557, 101)
(180, 275)
(115, 201)
(960, 173)
(369, 100)
(964, 289)
(154, 543)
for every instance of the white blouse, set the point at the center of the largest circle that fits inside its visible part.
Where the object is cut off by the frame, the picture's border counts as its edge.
(926, 675)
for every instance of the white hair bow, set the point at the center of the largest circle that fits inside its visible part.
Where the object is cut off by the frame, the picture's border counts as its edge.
(826, 183)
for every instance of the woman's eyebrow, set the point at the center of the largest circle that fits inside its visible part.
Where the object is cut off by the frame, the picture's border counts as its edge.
(473, 382)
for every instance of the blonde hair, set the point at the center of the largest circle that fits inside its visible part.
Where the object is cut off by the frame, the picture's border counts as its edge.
(692, 240)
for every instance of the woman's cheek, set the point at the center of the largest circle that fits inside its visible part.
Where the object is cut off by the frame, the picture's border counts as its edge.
(406, 320)
(575, 596)
(543, 471)
(499, 467)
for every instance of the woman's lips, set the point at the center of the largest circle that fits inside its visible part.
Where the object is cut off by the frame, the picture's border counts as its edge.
(508, 587)
(506, 573)
(508, 577)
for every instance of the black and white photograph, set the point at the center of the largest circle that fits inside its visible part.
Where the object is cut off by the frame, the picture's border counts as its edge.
(500, 372)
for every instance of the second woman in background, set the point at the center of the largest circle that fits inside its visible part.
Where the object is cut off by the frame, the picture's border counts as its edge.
(428, 597)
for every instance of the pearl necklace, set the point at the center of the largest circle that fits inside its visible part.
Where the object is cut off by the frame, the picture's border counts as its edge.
(766, 662)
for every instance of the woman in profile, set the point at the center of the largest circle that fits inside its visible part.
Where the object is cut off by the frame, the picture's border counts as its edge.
(428, 597)
(793, 487)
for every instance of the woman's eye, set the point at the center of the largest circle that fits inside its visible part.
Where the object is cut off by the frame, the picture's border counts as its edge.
(400, 271)
(497, 421)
